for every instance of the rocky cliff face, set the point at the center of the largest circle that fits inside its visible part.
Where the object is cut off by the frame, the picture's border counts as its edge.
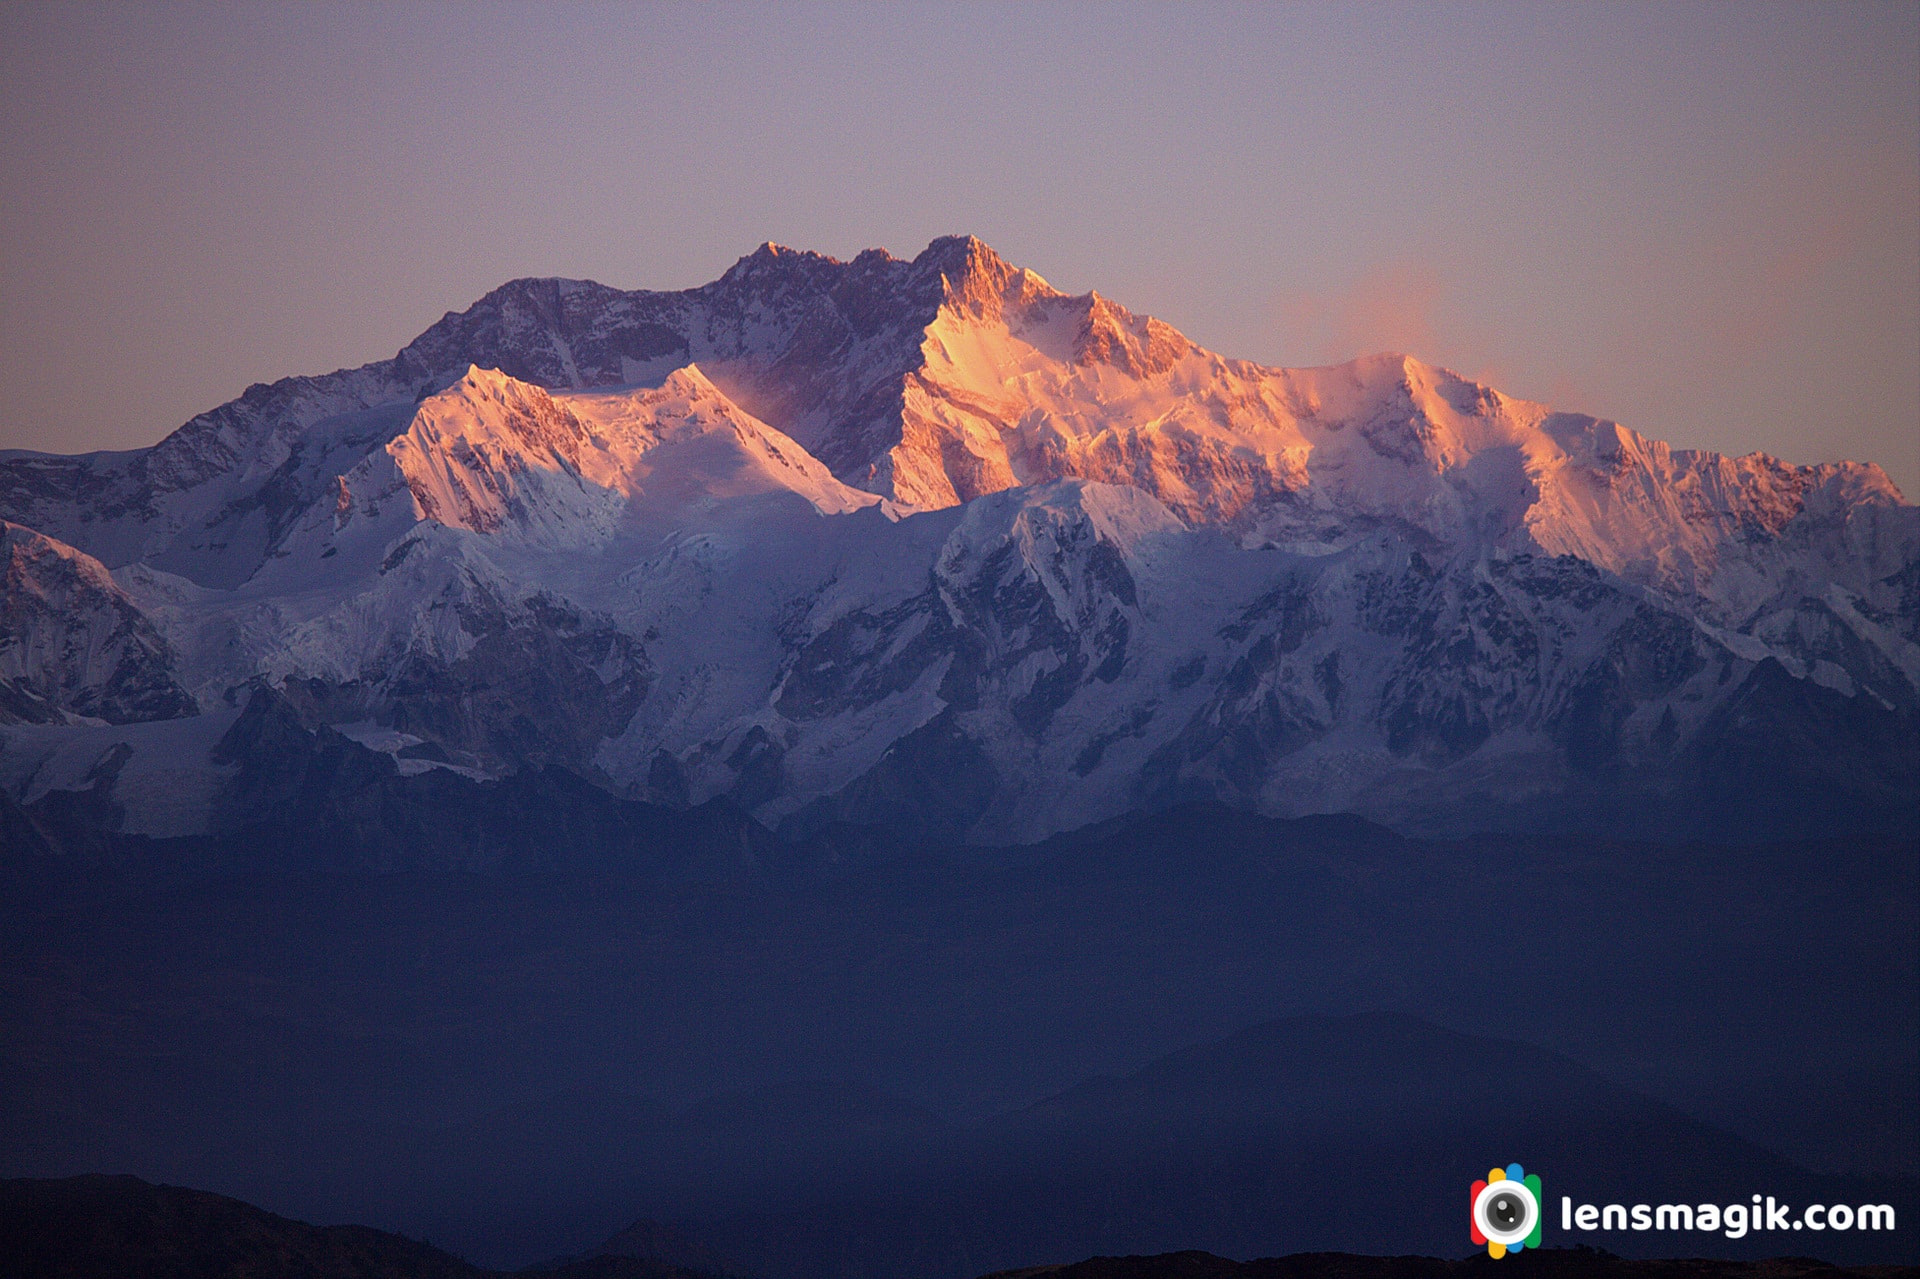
(930, 545)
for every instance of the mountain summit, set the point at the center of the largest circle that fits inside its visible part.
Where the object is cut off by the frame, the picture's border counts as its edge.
(934, 545)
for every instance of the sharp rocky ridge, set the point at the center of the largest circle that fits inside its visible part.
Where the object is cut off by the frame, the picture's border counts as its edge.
(934, 546)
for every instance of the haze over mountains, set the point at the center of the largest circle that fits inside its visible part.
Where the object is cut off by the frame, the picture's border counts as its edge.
(859, 1056)
(931, 546)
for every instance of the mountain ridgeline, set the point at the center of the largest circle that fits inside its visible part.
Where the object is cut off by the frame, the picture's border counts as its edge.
(931, 546)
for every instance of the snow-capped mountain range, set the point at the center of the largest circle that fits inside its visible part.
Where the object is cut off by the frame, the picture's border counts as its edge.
(932, 545)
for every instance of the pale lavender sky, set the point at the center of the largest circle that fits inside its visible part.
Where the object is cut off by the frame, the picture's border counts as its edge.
(1701, 220)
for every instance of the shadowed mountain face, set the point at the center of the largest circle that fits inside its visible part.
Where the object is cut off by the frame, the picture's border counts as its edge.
(758, 1042)
(82, 1227)
(1307, 1132)
(1560, 1264)
(87, 1226)
(123, 1226)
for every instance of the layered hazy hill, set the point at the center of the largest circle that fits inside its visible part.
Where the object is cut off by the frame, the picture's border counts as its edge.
(931, 545)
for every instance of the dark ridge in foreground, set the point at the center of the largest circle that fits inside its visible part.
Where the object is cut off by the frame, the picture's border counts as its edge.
(1559, 1263)
(80, 1227)
(84, 1227)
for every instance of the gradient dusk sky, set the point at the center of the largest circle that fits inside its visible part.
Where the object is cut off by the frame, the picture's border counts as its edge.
(1702, 220)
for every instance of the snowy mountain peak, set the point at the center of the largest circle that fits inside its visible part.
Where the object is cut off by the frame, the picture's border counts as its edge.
(472, 453)
(484, 382)
(1140, 346)
(690, 380)
(777, 264)
(495, 455)
(930, 542)
(73, 646)
(978, 282)
(34, 560)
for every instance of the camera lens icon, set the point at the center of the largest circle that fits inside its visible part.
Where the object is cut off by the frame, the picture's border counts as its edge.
(1506, 1210)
